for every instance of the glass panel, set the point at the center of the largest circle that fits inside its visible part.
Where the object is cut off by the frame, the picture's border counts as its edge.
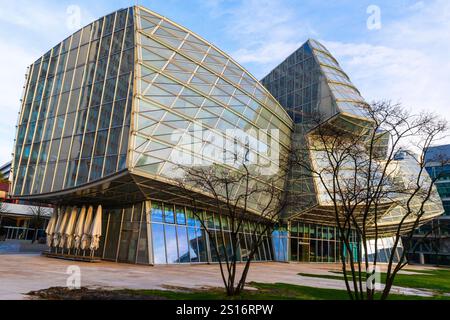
(143, 243)
(171, 244)
(100, 145)
(193, 245)
(96, 168)
(183, 245)
(201, 234)
(115, 216)
(159, 252)
(169, 216)
(157, 213)
(181, 218)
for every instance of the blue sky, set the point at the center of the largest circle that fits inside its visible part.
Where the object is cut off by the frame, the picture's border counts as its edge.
(406, 60)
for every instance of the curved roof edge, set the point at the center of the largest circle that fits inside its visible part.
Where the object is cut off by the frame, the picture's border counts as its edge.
(77, 30)
(222, 52)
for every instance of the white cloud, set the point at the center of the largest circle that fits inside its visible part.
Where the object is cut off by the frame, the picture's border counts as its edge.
(409, 61)
(266, 31)
(406, 61)
(48, 20)
(274, 51)
(384, 72)
(32, 28)
(417, 6)
(13, 67)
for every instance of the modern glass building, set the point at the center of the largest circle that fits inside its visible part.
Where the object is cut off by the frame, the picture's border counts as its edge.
(308, 83)
(108, 113)
(432, 240)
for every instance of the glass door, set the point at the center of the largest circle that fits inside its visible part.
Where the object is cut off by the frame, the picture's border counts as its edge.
(303, 251)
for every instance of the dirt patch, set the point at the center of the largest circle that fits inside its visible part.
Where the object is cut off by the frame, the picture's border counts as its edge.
(63, 293)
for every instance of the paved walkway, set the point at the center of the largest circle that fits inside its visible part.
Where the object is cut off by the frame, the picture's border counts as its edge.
(21, 273)
(21, 246)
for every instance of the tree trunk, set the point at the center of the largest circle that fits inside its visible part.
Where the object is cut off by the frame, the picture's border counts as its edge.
(35, 235)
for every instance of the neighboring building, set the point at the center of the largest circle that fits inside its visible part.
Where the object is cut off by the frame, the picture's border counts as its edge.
(5, 170)
(97, 127)
(432, 241)
(4, 182)
(308, 83)
(16, 219)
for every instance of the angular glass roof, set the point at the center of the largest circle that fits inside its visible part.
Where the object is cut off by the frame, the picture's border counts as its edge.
(347, 96)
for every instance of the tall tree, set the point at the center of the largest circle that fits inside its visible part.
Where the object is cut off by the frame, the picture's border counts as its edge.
(369, 174)
(37, 220)
(235, 195)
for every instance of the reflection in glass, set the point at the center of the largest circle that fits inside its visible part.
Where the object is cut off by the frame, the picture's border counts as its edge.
(181, 218)
(183, 247)
(169, 216)
(193, 245)
(159, 252)
(157, 213)
(171, 244)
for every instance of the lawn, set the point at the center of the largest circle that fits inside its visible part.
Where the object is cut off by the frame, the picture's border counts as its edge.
(262, 291)
(437, 280)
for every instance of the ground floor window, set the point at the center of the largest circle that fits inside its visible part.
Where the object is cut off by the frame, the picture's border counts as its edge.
(383, 248)
(304, 242)
(163, 233)
(178, 236)
(280, 242)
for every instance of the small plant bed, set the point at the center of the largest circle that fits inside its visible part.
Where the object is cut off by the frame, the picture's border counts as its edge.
(259, 291)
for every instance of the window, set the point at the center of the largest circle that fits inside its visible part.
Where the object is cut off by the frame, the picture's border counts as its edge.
(181, 218)
(169, 216)
(171, 243)
(159, 248)
(157, 213)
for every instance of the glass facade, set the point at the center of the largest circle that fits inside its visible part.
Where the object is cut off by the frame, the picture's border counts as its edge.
(74, 123)
(125, 238)
(179, 237)
(154, 232)
(384, 247)
(311, 84)
(191, 96)
(108, 113)
(442, 175)
(189, 100)
(280, 243)
(310, 80)
(318, 243)
(431, 242)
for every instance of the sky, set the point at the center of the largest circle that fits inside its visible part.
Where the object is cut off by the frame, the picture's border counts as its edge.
(395, 50)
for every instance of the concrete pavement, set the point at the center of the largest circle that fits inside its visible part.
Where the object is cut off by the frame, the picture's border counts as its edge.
(21, 273)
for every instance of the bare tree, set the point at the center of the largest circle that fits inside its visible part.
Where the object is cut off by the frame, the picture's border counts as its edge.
(3, 179)
(243, 196)
(3, 210)
(430, 240)
(37, 220)
(369, 178)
